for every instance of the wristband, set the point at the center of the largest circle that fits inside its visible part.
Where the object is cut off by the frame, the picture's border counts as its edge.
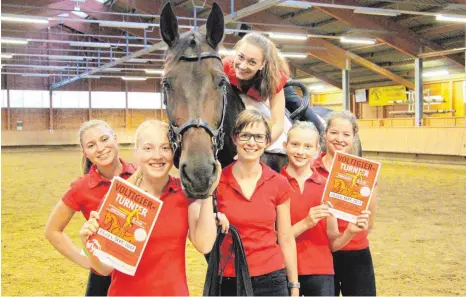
(296, 285)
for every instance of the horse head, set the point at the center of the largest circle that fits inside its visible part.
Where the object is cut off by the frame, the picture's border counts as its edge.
(108, 218)
(194, 90)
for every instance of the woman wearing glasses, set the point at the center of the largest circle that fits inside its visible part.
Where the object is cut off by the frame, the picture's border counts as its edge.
(256, 200)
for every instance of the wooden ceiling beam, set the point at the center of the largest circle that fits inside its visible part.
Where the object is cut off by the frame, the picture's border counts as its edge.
(404, 40)
(334, 55)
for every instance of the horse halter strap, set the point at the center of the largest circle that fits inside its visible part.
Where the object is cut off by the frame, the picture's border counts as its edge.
(175, 134)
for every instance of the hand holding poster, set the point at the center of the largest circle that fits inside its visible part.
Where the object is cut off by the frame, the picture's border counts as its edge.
(126, 219)
(350, 185)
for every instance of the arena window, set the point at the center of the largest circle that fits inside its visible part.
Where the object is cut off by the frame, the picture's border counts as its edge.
(70, 99)
(4, 99)
(144, 100)
(29, 99)
(108, 100)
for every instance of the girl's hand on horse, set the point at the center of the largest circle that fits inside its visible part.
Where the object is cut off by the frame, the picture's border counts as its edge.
(362, 223)
(222, 221)
(90, 227)
(317, 213)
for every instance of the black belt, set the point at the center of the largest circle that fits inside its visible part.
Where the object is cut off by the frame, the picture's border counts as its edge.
(213, 282)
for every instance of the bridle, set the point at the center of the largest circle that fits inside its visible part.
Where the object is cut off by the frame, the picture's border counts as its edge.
(175, 134)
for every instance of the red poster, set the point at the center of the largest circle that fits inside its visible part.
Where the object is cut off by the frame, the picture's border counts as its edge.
(126, 219)
(350, 185)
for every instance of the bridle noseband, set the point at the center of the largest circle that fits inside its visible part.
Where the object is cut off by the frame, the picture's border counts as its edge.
(175, 134)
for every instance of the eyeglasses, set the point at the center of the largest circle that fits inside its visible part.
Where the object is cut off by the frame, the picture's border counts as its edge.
(259, 138)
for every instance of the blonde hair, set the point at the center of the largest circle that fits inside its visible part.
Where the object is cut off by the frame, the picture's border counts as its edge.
(248, 117)
(305, 126)
(345, 115)
(85, 162)
(137, 176)
(270, 76)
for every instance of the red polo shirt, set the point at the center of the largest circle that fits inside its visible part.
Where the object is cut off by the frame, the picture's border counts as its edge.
(312, 246)
(229, 69)
(162, 269)
(86, 192)
(254, 219)
(359, 240)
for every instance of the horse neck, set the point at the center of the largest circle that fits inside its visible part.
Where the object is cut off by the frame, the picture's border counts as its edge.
(234, 107)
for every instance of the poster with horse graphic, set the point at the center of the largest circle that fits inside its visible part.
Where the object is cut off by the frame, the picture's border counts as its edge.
(126, 219)
(350, 185)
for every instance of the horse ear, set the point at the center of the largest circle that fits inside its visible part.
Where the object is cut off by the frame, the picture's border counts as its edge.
(168, 25)
(215, 26)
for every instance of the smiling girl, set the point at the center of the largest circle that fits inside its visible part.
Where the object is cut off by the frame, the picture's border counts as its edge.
(100, 164)
(162, 268)
(314, 227)
(258, 71)
(354, 270)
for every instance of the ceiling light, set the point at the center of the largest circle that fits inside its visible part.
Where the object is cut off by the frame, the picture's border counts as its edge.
(442, 72)
(375, 11)
(153, 71)
(315, 87)
(92, 76)
(63, 15)
(111, 70)
(58, 57)
(13, 41)
(35, 74)
(451, 18)
(133, 78)
(295, 4)
(357, 40)
(134, 25)
(80, 13)
(23, 19)
(6, 56)
(48, 67)
(288, 36)
(137, 60)
(294, 55)
(90, 44)
(226, 52)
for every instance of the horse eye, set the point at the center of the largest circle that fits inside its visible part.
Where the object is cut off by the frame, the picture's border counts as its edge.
(220, 82)
(166, 83)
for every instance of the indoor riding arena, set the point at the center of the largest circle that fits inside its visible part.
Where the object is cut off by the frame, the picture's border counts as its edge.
(398, 65)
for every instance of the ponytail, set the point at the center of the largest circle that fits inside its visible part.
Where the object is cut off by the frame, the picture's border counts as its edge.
(86, 165)
(136, 177)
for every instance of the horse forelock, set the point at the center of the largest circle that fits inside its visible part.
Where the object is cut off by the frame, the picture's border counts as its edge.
(173, 55)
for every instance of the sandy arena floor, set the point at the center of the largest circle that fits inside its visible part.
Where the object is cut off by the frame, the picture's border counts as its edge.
(418, 243)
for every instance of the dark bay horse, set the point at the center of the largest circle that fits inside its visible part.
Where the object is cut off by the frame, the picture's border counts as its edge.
(202, 107)
(194, 89)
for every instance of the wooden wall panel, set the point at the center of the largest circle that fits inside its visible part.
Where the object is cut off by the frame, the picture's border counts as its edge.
(458, 99)
(69, 118)
(33, 118)
(115, 117)
(137, 116)
(56, 137)
(422, 140)
(4, 119)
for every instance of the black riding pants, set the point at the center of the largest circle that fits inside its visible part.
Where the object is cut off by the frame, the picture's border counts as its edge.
(270, 284)
(97, 285)
(316, 285)
(293, 101)
(354, 273)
